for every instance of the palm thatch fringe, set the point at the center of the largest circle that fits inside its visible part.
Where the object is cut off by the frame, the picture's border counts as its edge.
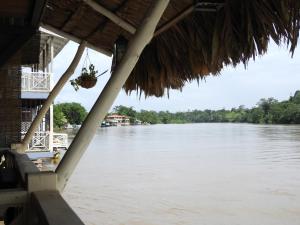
(204, 42)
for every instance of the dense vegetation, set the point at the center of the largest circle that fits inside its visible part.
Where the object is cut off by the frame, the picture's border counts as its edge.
(72, 113)
(268, 111)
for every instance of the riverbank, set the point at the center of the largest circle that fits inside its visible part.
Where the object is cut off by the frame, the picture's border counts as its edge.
(267, 111)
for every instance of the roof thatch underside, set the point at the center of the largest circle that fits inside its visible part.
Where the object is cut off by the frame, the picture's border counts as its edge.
(19, 22)
(199, 45)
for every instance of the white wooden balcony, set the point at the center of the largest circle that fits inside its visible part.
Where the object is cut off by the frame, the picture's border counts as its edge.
(60, 140)
(36, 82)
(41, 141)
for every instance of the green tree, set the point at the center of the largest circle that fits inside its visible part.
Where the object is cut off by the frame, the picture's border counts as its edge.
(256, 115)
(296, 98)
(165, 117)
(149, 117)
(74, 112)
(276, 112)
(59, 118)
(265, 104)
(292, 114)
(267, 111)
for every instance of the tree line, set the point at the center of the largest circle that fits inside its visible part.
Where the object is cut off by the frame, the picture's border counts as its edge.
(266, 111)
(68, 113)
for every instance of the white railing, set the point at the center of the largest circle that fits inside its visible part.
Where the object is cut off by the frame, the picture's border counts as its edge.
(39, 142)
(36, 81)
(60, 140)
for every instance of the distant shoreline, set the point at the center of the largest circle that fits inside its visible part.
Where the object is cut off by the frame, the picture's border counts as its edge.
(72, 132)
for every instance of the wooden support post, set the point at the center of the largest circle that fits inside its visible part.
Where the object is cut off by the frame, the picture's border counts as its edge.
(42, 112)
(88, 129)
(51, 53)
(51, 86)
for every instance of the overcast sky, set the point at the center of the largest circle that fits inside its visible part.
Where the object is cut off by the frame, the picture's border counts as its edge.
(275, 74)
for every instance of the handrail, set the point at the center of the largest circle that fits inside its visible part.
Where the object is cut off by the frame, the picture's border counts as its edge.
(53, 209)
(36, 81)
(40, 141)
(60, 140)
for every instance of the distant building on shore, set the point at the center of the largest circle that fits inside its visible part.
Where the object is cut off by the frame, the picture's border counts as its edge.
(117, 120)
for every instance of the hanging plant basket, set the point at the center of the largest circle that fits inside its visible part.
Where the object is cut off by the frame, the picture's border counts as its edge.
(88, 76)
(87, 79)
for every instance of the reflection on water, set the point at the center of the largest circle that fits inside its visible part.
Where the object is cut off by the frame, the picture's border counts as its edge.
(216, 174)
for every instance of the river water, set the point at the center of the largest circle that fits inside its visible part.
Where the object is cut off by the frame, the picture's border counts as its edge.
(191, 174)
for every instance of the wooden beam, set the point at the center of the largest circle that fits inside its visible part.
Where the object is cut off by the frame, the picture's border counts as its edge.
(73, 38)
(175, 20)
(73, 19)
(125, 25)
(39, 6)
(185, 13)
(110, 15)
(102, 25)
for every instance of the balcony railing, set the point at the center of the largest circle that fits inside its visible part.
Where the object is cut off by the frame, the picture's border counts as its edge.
(60, 140)
(36, 81)
(39, 142)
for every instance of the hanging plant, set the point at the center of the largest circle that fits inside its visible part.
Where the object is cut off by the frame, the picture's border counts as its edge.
(87, 78)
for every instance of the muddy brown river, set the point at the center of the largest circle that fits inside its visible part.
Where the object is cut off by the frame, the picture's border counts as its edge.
(191, 174)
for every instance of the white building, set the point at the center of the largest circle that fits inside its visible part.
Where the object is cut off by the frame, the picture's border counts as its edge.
(36, 84)
(117, 120)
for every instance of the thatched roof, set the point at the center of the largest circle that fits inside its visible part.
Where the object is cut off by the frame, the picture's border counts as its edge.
(200, 44)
